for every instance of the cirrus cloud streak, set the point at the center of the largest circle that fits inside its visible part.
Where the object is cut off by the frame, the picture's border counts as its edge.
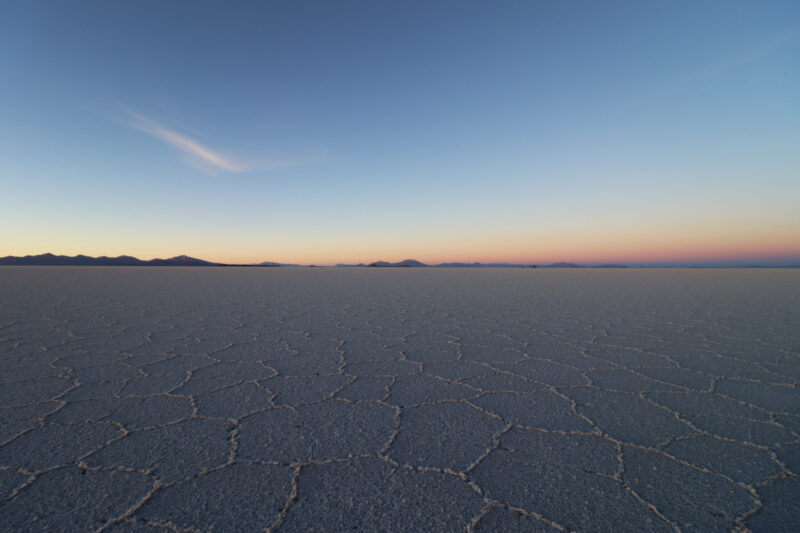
(198, 153)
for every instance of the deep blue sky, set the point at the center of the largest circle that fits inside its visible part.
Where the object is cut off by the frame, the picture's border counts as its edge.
(355, 131)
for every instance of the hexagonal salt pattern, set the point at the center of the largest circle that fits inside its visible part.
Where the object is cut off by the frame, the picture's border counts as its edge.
(230, 399)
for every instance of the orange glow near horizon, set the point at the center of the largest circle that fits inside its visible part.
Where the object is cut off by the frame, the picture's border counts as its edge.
(530, 241)
(585, 250)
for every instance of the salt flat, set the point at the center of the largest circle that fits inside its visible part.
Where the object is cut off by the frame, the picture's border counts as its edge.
(311, 399)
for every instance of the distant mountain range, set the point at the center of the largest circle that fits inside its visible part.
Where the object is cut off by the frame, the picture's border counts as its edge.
(184, 260)
(85, 260)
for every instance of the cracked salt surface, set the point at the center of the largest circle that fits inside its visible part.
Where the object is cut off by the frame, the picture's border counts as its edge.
(172, 399)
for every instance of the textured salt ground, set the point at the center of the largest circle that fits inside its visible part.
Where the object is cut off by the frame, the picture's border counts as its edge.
(172, 399)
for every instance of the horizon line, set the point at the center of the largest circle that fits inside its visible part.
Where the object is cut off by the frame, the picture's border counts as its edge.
(740, 262)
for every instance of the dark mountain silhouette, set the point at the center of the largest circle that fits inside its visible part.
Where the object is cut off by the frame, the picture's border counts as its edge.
(84, 260)
(403, 263)
(181, 260)
(49, 259)
(64, 260)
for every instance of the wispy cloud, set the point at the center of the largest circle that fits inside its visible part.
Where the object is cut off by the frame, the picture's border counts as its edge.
(752, 54)
(197, 153)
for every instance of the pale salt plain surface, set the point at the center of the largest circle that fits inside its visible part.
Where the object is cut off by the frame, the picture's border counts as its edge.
(153, 399)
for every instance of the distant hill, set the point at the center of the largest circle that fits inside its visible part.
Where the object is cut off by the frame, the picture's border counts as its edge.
(274, 264)
(84, 260)
(181, 260)
(404, 263)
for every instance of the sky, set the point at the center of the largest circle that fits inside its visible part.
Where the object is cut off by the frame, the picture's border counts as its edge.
(340, 132)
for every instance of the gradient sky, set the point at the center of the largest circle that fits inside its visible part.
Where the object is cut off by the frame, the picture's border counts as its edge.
(327, 132)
